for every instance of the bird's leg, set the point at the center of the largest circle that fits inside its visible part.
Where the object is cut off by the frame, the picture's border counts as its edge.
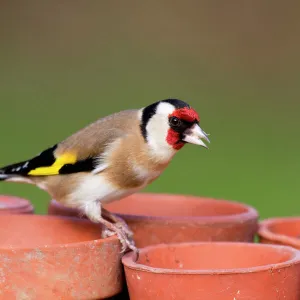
(120, 233)
(93, 212)
(119, 222)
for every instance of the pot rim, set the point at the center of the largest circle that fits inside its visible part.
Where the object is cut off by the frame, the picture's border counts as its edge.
(265, 232)
(92, 243)
(15, 211)
(128, 260)
(250, 212)
(19, 203)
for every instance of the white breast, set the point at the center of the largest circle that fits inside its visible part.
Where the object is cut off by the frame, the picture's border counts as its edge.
(94, 190)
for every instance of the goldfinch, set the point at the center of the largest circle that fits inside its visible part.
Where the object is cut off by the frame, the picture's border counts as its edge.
(111, 158)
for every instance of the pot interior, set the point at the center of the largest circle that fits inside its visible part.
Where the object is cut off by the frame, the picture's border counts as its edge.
(37, 230)
(212, 256)
(159, 205)
(286, 227)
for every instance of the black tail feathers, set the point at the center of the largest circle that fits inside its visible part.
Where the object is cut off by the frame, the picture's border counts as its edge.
(22, 169)
(18, 169)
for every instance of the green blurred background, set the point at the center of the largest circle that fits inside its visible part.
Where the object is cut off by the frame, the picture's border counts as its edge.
(66, 63)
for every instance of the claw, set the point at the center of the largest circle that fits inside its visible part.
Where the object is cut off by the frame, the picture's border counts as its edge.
(125, 241)
(123, 226)
(119, 227)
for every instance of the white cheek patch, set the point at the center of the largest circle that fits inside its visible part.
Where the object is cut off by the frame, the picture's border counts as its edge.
(157, 131)
(158, 125)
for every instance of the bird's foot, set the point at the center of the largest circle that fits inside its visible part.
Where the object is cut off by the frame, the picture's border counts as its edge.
(119, 222)
(116, 226)
(123, 226)
(125, 241)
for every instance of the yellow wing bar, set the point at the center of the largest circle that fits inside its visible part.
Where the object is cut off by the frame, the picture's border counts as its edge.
(66, 158)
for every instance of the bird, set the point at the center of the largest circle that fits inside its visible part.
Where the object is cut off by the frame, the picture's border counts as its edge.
(111, 158)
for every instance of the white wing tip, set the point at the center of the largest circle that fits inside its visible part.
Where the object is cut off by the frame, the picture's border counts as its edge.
(3, 176)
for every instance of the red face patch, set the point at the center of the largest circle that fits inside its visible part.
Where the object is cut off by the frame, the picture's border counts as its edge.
(186, 114)
(173, 139)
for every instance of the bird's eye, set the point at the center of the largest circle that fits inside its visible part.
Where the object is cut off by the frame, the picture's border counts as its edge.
(175, 121)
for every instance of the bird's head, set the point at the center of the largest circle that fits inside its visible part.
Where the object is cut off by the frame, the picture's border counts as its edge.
(171, 123)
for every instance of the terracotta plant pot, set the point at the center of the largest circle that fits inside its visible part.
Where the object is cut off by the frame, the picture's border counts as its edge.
(166, 218)
(15, 205)
(50, 257)
(214, 271)
(282, 231)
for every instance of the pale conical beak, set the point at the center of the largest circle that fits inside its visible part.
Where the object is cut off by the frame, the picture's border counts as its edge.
(195, 135)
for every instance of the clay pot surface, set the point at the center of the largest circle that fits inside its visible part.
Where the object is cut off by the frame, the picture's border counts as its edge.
(167, 218)
(50, 257)
(282, 231)
(15, 205)
(214, 271)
